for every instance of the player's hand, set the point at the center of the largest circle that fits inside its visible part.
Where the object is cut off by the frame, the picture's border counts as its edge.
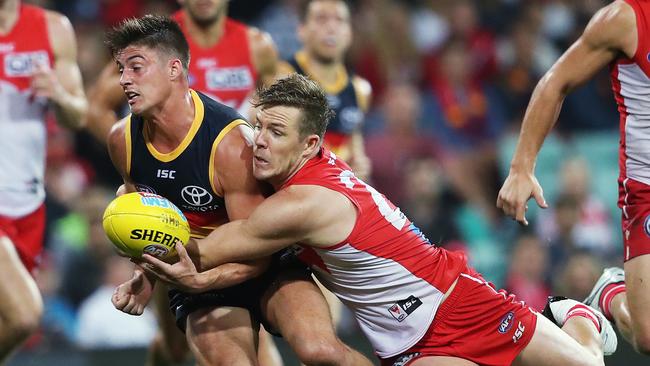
(133, 296)
(182, 274)
(44, 83)
(121, 190)
(515, 193)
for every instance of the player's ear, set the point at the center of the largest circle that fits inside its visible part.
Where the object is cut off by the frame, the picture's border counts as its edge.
(301, 32)
(175, 69)
(312, 143)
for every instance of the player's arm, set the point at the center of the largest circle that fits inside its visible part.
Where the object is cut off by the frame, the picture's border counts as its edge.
(133, 295)
(118, 150)
(242, 193)
(609, 34)
(62, 85)
(293, 215)
(359, 161)
(264, 55)
(104, 97)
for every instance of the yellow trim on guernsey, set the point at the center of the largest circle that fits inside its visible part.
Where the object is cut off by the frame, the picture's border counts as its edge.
(127, 137)
(196, 124)
(216, 142)
(331, 88)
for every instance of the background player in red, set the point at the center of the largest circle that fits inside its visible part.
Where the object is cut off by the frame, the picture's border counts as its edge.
(326, 33)
(617, 35)
(38, 68)
(380, 265)
(228, 61)
(204, 148)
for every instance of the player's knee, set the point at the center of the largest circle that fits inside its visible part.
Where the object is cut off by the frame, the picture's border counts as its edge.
(23, 323)
(642, 342)
(321, 353)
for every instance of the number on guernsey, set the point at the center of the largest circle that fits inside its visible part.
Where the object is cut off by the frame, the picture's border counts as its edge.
(394, 216)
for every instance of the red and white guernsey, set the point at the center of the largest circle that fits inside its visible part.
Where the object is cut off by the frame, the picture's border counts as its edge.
(386, 271)
(631, 84)
(22, 116)
(225, 71)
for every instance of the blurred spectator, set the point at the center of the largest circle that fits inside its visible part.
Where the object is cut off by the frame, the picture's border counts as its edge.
(280, 20)
(466, 119)
(577, 277)
(527, 272)
(101, 325)
(428, 202)
(478, 43)
(400, 141)
(83, 265)
(383, 50)
(580, 219)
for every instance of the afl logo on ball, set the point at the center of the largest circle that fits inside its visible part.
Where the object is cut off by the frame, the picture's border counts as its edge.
(155, 250)
(646, 225)
(196, 196)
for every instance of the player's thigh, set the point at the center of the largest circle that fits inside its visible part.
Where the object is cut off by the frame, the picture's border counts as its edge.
(297, 308)
(551, 346)
(441, 361)
(18, 291)
(637, 285)
(335, 305)
(171, 334)
(222, 336)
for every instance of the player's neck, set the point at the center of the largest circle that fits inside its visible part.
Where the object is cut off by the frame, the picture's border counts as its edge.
(279, 181)
(206, 36)
(328, 74)
(8, 15)
(168, 124)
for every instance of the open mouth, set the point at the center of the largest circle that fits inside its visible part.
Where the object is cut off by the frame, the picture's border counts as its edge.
(131, 96)
(259, 160)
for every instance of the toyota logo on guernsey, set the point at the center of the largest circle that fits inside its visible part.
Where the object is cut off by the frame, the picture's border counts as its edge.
(196, 196)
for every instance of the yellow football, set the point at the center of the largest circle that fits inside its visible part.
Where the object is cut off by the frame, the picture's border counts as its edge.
(142, 222)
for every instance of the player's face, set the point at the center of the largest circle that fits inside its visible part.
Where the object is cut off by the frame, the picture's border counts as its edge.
(204, 12)
(278, 146)
(326, 32)
(144, 76)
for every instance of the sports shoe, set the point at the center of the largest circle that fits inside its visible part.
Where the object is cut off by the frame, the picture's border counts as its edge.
(610, 275)
(557, 309)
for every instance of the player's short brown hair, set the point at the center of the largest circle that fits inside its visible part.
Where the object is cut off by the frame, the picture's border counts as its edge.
(304, 94)
(153, 31)
(304, 8)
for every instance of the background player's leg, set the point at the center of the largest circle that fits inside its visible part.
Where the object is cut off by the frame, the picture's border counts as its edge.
(635, 305)
(551, 346)
(21, 306)
(222, 336)
(169, 346)
(311, 335)
(267, 351)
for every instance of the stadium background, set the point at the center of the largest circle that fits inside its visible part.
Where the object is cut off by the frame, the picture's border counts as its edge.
(439, 157)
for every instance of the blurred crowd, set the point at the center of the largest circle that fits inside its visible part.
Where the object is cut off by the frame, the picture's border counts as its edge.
(451, 81)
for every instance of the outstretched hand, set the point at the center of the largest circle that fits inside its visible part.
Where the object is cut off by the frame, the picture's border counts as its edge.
(133, 295)
(182, 274)
(515, 193)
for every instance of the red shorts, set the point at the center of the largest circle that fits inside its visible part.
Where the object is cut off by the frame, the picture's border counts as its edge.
(634, 201)
(27, 235)
(475, 323)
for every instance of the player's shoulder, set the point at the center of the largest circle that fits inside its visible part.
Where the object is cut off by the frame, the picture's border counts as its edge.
(214, 110)
(116, 136)
(612, 24)
(58, 22)
(259, 40)
(363, 90)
